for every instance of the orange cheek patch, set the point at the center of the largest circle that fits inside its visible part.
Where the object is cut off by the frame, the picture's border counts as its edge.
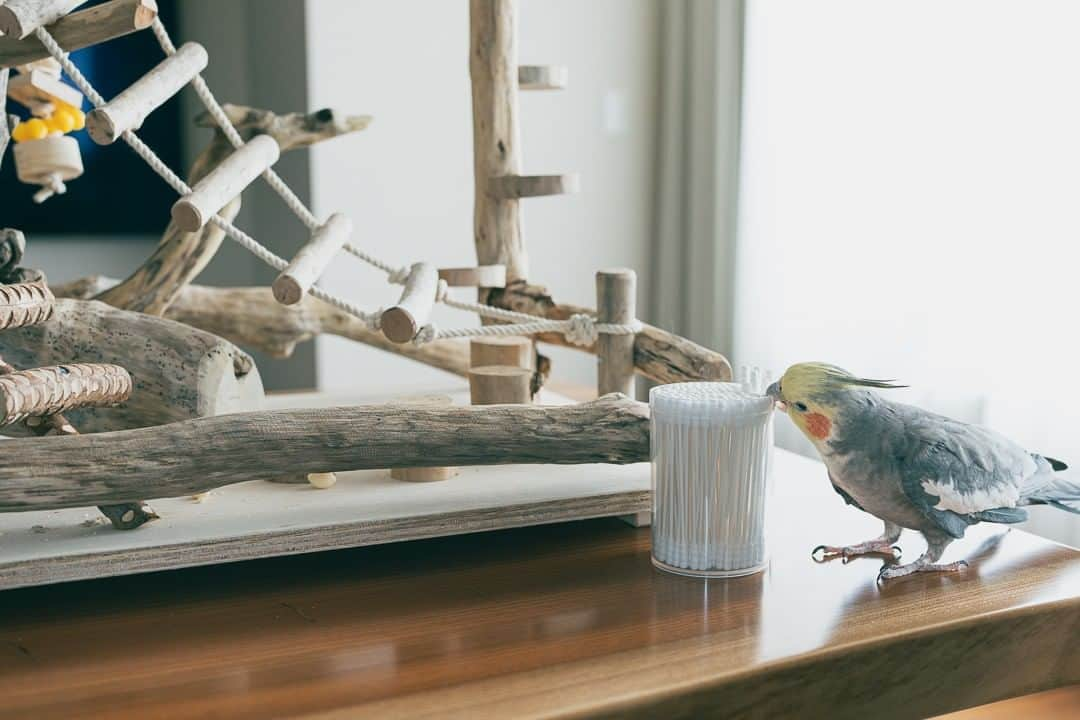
(818, 425)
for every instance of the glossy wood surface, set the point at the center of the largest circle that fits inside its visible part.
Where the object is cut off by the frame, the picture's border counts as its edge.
(565, 620)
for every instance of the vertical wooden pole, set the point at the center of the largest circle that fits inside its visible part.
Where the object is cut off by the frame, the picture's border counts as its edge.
(494, 73)
(616, 302)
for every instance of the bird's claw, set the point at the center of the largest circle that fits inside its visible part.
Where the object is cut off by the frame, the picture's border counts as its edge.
(847, 552)
(888, 572)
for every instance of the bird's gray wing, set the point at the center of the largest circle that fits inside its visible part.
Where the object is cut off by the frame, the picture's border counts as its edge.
(958, 474)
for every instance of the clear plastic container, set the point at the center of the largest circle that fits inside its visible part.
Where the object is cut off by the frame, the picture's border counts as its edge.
(711, 458)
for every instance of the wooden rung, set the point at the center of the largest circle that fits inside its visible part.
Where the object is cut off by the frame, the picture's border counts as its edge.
(19, 18)
(511, 351)
(225, 182)
(39, 88)
(82, 29)
(23, 304)
(57, 389)
(507, 187)
(542, 77)
(485, 276)
(310, 262)
(401, 322)
(500, 385)
(127, 110)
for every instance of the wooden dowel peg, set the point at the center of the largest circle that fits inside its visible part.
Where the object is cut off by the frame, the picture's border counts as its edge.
(616, 302)
(484, 276)
(57, 389)
(310, 262)
(82, 29)
(401, 322)
(225, 182)
(500, 385)
(542, 77)
(129, 109)
(512, 351)
(508, 187)
(19, 18)
(23, 304)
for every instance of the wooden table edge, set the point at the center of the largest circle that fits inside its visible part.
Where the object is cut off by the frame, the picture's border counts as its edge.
(779, 688)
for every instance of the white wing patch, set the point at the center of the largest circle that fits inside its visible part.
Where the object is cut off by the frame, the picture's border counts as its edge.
(1002, 496)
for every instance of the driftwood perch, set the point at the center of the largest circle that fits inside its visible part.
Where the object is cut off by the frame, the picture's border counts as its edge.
(249, 317)
(193, 456)
(179, 371)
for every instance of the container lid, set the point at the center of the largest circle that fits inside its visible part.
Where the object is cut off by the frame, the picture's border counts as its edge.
(709, 403)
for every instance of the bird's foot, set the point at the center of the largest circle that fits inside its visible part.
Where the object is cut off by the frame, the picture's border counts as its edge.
(877, 546)
(889, 572)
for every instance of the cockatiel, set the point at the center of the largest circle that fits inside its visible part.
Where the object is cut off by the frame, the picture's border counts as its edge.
(911, 468)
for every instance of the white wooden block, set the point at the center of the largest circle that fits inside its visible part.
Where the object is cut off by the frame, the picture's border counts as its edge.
(129, 109)
(225, 182)
(310, 262)
(39, 87)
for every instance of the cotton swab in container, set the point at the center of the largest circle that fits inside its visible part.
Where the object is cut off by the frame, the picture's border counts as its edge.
(711, 453)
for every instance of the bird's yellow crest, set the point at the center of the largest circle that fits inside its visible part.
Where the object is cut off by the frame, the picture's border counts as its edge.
(812, 378)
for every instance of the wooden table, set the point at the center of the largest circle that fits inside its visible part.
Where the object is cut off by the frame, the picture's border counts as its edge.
(564, 620)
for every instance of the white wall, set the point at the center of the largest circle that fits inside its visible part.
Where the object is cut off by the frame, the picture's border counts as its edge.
(909, 205)
(407, 180)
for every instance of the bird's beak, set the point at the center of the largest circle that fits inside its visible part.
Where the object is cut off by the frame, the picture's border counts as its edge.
(773, 391)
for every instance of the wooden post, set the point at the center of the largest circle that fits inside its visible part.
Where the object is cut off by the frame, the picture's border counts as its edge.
(513, 351)
(19, 18)
(310, 262)
(424, 474)
(500, 385)
(493, 69)
(128, 109)
(616, 300)
(401, 322)
(82, 29)
(225, 182)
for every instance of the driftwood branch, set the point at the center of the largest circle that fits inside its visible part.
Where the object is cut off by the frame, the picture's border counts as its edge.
(179, 371)
(82, 29)
(181, 256)
(250, 318)
(123, 516)
(658, 354)
(197, 455)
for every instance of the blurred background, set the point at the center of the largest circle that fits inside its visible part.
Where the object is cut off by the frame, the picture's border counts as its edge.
(886, 186)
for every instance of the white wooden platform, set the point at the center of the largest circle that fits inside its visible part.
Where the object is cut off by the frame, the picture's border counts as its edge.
(261, 519)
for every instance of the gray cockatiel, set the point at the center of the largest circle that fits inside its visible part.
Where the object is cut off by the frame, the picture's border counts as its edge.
(911, 468)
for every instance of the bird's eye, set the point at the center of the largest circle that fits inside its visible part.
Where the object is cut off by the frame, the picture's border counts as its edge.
(801, 407)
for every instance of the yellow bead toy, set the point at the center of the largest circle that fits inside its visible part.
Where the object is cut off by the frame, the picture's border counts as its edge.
(34, 129)
(79, 117)
(62, 121)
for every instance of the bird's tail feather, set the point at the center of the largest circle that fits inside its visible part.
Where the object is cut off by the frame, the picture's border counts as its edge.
(1059, 493)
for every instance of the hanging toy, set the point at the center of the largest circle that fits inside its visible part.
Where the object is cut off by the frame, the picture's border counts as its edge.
(44, 153)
